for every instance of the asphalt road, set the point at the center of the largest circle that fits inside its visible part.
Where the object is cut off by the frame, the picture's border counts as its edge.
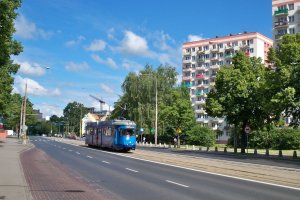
(136, 179)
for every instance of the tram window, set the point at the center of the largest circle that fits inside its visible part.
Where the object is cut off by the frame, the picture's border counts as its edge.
(127, 132)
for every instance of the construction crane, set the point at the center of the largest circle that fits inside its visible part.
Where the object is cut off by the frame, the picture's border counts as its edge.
(100, 101)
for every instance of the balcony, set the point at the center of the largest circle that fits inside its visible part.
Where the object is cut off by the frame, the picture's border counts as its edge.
(281, 24)
(228, 47)
(214, 50)
(200, 60)
(215, 67)
(200, 76)
(201, 111)
(247, 53)
(186, 69)
(186, 53)
(202, 120)
(215, 58)
(186, 61)
(186, 85)
(281, 12)
(212, 83)
(228, 56)
(202, 68)
(278, 36)
(202, 86)
(200, 102)
(200, 52)
(185, 78)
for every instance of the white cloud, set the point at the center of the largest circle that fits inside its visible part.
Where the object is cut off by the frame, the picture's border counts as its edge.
(106, 88)
(134, 44)
(76, 67)
(72, 43)
(131, 65)
(108, 61)
(33, 87)
(97, 45)
(28, 30)
(32, 69)
(48, 109)
(192, 38)
(161, 40)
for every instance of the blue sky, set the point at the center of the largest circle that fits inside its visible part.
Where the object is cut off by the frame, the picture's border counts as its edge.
(90, 46)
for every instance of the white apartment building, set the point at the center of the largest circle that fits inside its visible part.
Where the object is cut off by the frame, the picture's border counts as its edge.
(285, 17)
(201, 61)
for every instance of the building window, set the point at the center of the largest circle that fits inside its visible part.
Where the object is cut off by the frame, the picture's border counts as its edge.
(221, 54)
(193, 49)
(187, 58)
(193, 58)
(291, 6)
(200, 48)
(206, 64)
(193, 65)
(193, 74)
(188, 50)
(291, 18)
(213, 63)
(292, 30)
(220, 46)
(206, 56)
(235, 44)
(251, 50)
(284, 7)
(220, 63)
(213, 125)
(206, 48)
(282, 32)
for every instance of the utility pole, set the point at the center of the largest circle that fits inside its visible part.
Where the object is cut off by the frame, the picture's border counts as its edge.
(24, 115)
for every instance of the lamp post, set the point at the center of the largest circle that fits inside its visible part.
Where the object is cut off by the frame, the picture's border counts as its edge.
(156, 108)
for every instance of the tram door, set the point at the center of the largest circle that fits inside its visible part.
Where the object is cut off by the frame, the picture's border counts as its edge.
(120, 136)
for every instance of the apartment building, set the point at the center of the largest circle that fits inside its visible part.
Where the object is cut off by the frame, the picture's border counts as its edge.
(285, 17)
(201, 61)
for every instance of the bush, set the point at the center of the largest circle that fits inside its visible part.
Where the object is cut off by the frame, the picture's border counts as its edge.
(203, 136)
(279, 138)
(286, 138)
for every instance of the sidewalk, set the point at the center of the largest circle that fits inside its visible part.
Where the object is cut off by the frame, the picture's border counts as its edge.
(13, 185)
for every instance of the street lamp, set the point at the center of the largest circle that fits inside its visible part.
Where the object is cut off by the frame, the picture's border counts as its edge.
(156, 107)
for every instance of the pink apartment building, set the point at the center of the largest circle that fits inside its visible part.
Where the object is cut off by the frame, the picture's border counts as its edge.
(285, 17)
(201, 61)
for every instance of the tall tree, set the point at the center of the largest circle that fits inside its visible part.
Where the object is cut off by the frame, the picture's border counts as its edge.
(138, 100)
(12, 120)
(240, 95)
(8, 47)
(73, 113)
(177, 113)
(285, 78)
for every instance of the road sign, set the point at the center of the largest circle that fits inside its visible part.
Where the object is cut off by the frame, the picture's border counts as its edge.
(247, 129)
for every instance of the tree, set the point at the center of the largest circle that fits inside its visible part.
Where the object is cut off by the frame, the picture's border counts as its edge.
(176, 112)
(138, 100)
(240, 95)
(8, 47)
(12, 119)
(203, 136)
(73, 113)
(285, 77)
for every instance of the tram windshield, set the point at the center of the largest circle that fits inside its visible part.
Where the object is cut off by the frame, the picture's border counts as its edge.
(128, 132)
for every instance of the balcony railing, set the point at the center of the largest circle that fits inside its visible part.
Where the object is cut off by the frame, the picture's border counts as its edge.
(228, 56)
(281, 24)
(200, 60)
(281, 12)
(186, 85)
(201, 76)
(186, 78)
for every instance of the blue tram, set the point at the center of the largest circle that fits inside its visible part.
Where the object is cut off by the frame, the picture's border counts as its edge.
(114, 134)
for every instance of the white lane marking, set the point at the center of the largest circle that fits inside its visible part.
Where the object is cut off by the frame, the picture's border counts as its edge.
(78, 153)
(70, 150)
(105, 162)
(132, 170)
(89, 156)
(177, 183)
